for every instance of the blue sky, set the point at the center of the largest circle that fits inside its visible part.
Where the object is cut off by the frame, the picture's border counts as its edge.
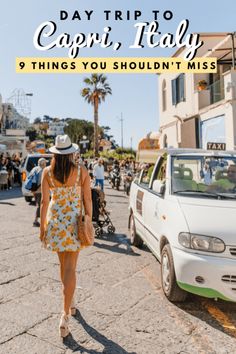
(136, 96)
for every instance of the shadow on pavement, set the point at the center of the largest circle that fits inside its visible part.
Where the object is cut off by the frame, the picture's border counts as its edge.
(117, 249)
(7, 203)
(120, 240)
(220, 315)
(13, 193)
(109, 345)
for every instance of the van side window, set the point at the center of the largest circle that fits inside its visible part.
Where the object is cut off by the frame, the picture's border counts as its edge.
(186, 174)
(136, 177)
(160, 173)
(146, 175)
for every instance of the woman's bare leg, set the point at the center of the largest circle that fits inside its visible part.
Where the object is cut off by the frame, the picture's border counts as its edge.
(61, 256)
(68, 266)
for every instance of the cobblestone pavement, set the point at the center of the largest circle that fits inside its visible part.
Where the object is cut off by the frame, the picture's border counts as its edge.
(121, 307)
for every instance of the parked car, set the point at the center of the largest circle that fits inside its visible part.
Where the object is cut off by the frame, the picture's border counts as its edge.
(188, 221)
(29, 163)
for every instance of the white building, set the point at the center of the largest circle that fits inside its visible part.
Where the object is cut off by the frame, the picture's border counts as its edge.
(56, 128)
(12, 129)
(192, 118)
(12, 119)
(15, 141)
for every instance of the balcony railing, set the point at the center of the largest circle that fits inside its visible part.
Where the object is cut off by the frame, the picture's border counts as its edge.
(212, 94)
(217, 92)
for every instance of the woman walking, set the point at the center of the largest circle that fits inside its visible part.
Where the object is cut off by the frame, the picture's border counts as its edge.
(59, 216)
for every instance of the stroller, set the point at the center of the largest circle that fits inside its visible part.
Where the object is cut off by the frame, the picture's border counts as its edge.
(101, 217)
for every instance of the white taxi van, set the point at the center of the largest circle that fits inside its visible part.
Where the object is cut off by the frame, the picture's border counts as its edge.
(28, 164)
(184, 208)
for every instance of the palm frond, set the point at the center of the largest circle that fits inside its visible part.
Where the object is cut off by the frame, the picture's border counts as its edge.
(98, 88)
(85, 92)
(88, 81)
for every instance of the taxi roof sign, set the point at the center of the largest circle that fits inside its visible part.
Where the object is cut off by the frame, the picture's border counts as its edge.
(216, 146)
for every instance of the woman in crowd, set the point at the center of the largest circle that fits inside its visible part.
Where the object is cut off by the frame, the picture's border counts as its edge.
(59, 217)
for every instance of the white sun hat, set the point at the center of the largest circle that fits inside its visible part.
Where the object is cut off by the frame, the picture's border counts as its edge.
(63, 145)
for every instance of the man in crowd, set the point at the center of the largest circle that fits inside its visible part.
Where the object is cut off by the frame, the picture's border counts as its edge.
(38, 193)
(225, 184)
(98, 173)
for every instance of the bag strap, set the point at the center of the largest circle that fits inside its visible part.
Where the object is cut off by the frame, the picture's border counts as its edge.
(33, 172)
(79, 179)
(38, 174)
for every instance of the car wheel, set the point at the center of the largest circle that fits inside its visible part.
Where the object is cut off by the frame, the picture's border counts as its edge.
(28, 199)
(168, 278)
(135, 239)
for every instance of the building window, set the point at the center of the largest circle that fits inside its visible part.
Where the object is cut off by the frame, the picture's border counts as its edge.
(164, 95)
(165, 143)
(213, 131)
(178, 89)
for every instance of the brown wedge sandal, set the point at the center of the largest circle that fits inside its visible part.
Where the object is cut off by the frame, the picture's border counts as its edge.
(72, 308)
(64, 325)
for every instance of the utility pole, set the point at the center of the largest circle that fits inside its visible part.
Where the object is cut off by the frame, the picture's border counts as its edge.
(121, 126)
(131, 143)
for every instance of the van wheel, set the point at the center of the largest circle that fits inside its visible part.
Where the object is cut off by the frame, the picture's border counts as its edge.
(135, 239)
(168, 278)
(28, 199)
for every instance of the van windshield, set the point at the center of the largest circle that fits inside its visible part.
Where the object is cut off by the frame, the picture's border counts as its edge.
(213, 176)
(33, 161)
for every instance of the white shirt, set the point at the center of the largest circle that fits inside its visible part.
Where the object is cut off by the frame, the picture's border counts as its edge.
(98, 171)
(207, 177)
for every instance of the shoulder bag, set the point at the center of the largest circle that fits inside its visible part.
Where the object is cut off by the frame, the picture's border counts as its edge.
(85, 226)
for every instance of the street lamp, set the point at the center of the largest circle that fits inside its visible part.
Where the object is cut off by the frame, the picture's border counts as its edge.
(121, 119)
(84, 143)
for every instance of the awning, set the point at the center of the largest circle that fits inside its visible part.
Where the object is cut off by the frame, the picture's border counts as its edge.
(224, 51)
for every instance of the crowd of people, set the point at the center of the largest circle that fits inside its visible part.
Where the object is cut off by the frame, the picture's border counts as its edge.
(98, 169)
(10, 166)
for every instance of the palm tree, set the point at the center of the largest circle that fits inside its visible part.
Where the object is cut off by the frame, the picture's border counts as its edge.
(96, 91)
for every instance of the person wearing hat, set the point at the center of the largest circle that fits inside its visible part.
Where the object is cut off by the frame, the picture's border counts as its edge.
(59, 216)
(42, 162)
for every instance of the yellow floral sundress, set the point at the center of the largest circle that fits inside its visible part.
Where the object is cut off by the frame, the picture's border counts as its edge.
(61, 227)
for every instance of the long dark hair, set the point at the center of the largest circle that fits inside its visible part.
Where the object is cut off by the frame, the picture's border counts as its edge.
(62, 166)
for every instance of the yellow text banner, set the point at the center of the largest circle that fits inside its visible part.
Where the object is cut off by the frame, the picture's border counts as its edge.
(126, 65)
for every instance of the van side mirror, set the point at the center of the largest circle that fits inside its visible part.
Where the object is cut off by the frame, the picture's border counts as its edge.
(159, 187)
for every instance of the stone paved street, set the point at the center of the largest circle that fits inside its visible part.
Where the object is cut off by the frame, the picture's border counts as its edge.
(121, 307)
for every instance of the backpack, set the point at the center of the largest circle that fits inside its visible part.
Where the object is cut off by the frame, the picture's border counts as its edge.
(32, 182)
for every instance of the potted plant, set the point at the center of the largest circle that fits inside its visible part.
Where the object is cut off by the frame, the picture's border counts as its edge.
(201, 85)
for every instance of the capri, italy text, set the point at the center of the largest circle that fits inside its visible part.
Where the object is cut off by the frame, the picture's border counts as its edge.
(147, 34)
